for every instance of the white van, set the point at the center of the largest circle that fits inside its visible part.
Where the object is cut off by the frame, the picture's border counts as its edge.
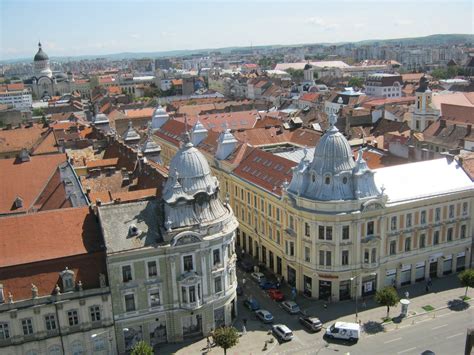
(343, 330)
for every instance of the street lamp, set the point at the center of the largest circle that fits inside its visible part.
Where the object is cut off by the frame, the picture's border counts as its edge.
(357, 291)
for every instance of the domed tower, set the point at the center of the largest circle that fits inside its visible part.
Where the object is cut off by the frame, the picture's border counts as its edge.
(41, 63)
(333, 175)
(191, 193)
(159, 117)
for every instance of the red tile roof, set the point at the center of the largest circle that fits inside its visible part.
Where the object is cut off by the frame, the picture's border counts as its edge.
(101, 163)
(458, 114)
(171, 131)
(265, 170)
(310, 97)
(370, 103)
(219, 121)
(26, 180)
(139, 113)
(13, 140)
(48, 235)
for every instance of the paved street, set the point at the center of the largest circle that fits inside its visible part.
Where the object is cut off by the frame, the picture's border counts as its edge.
(442, 331)
(445, 334)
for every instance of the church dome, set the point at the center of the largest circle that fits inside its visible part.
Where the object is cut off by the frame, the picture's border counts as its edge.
(333, 153)
(40, 55)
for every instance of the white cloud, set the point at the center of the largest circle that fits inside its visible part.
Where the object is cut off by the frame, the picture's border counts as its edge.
(321, 23)
(403, 23)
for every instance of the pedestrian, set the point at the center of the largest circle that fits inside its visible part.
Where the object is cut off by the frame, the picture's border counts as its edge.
(430, 283)
(364, 304)
(427, 288)
(407, 295)
(244, 330)
(325, 306)
(244, 321)
(208, 342)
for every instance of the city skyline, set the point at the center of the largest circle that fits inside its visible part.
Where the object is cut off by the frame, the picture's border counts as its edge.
(201, 25)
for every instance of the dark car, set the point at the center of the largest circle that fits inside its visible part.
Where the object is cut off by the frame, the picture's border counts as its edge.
(267, 285)
(246, 266)
(311, 323)
(252, 304)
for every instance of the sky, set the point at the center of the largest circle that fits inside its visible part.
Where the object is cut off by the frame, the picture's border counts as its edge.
(95, 27)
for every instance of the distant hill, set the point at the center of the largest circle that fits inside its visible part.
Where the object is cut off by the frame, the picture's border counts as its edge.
(438, 39)
(433, 40)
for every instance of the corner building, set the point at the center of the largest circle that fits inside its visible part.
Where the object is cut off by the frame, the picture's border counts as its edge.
(171, 261)
(330, 218)
(350, 229)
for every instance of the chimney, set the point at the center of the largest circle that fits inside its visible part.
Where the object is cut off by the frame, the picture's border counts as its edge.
(468, 130)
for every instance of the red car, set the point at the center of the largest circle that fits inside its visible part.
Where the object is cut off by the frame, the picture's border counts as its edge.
(276, 295)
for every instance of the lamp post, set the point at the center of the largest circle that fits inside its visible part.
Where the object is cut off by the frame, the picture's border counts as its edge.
(357, 292)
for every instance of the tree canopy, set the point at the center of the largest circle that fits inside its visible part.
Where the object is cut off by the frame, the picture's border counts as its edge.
(467, 279)
(388, 297)
(225, 337)
(356, 82)
(142, 348)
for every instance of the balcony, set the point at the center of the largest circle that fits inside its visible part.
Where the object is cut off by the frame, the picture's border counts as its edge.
(369, 238)
(192, 305)
(290, 232)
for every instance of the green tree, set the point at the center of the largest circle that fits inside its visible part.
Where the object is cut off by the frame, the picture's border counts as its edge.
(38, 112)
(142, 348)
(356, 82)
(296, 74)
(225, 337)
(467, 279)
(388, 297)
(452, 71)
(439, 74)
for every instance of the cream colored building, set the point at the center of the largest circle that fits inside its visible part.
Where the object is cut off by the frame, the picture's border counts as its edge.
(337, 226)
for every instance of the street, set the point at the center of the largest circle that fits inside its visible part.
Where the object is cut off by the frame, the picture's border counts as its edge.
(445, 334)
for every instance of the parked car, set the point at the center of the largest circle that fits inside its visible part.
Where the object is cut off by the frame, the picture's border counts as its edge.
(291, 307)
(276, 295)
(246, 266)
(282, 332)
(239, 290)
(311, 323)
(264, 316)
(252, 304)
(258, 276)
(267, 285)
(343, 330)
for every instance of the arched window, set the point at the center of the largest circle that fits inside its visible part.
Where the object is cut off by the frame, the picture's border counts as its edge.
(327, 179)
(344, 180)
(54, 350)
(77, 348)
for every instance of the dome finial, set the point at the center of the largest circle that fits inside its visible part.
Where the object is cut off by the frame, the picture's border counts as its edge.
(39, 44)
(333, 119)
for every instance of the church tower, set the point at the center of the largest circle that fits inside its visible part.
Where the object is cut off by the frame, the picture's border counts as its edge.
(41, 64)
(423, 113)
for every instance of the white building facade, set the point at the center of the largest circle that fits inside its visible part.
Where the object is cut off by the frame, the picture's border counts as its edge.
(384, 85)
(172, 261)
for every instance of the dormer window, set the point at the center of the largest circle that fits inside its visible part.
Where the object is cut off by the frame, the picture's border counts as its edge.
(68, 279)
(344, 180)
(133, 230)
(327, 180)
(18, 202)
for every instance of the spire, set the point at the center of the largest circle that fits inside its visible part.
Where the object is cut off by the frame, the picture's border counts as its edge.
(332, 119)
(39, 44)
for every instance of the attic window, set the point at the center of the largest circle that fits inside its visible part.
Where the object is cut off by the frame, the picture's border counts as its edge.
(133, 230)
(344, 180)
(67, 277)
(327, 180)
(18, 202)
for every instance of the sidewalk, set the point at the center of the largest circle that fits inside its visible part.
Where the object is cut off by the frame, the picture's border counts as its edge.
(445, 294)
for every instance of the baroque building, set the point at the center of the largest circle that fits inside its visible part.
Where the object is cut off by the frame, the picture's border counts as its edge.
(333, 227)
(171, 261)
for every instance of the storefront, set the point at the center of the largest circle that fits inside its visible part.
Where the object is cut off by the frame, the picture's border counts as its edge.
(434, 264)
(157, 331)
(448, 264)
(324, 290)
(308, 286)
(345, 290)
(219, 317)
(461, 261)
(420, 271)
(391, 277)
(291, 275)
(405, 275)
(369, 285)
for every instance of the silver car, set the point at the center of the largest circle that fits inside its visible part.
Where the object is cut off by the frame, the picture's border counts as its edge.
(291, 307)
(264, 316)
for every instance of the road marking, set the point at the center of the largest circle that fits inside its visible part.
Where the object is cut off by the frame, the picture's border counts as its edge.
(406, 350)
(439, 326)
(392, 340)
(455, 335)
